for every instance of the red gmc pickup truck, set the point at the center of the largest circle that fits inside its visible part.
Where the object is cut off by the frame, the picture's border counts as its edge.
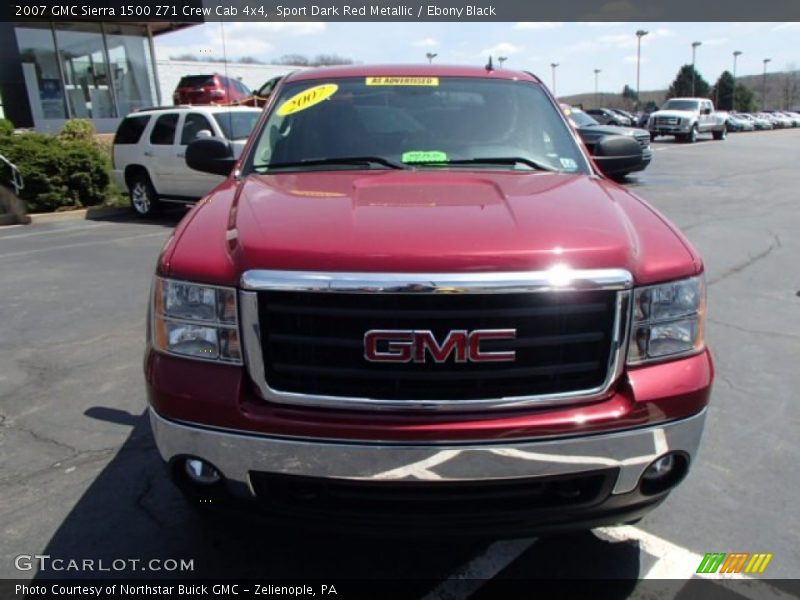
(416, 304)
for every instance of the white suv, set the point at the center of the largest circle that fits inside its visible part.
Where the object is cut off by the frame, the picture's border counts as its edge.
(150, 146)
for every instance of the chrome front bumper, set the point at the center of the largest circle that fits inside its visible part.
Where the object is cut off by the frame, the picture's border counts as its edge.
(236, 454)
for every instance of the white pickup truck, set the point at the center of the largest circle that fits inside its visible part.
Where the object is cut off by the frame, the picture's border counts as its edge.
(686, 118)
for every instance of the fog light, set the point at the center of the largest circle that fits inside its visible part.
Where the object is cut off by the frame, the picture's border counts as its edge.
(201, 472)
(664, 473)
(660, 468)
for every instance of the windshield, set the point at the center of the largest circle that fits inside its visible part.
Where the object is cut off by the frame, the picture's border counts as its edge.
(681, 105)
(237, 125)
(196, 81)
(579, 118)
(415, 122)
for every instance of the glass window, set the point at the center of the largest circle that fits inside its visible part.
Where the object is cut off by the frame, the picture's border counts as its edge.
(237, 125)
(131, 129)
(40, 69)
(476, 123)
(680, 105)
(193, 124)
(195, 81)
(164, 130)
(87, 80)
(266, 89)
(130, 67)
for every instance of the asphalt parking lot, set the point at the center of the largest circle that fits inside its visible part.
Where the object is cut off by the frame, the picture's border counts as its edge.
(80, 476)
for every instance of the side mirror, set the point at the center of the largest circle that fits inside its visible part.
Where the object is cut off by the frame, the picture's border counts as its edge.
(617, 154)
(210, 155)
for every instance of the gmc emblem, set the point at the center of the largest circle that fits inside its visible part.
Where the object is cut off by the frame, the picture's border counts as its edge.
(402, 346)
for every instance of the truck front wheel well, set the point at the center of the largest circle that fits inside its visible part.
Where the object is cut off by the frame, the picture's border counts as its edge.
(133, 172)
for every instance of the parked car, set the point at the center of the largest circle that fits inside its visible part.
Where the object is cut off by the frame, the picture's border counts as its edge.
(686, 119)
(758, 122)
(149, 148)
(737, 122)
(774, 121)
(630, 119)
(209, 89)
(592, 132)
(606, 116)
(780, 119)
(261, 96)
(795, 117)
(413, 305)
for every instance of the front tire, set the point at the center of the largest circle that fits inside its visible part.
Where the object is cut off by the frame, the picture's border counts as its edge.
(691, 137)
(143, 197)
(721, 135)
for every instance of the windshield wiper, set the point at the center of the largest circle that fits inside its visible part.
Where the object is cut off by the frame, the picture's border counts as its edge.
(502, 160)
(345, 160)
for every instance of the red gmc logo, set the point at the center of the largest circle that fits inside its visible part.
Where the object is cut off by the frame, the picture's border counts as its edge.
(402, 346)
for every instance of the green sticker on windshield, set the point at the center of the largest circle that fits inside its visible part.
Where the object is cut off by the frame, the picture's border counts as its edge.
(424, 156)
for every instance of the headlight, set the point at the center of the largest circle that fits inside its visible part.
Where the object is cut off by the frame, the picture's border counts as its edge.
(195, 321)
(668, 320)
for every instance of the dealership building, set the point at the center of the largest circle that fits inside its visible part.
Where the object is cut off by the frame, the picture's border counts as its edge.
(51, 72)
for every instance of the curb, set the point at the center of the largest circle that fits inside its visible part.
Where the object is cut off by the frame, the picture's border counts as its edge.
(83, 213)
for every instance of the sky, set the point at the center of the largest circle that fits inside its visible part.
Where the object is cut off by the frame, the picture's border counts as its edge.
(578, 48)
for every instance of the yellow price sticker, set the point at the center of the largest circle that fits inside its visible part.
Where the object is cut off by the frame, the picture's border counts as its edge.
(307, 99)
(429, 81)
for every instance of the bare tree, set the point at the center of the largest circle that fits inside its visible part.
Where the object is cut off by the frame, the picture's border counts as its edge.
(297, 60)
(790, 87)
(324, 60)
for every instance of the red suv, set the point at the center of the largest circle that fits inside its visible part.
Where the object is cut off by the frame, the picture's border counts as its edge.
(209, 89)
(416, 304)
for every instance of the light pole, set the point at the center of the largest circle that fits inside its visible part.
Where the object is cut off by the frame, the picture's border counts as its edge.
(764, 85)
(553, 67)
(736, 54)
(694, 51)
(501, 60)
(430, 56)
(596, 73)
(639, 35)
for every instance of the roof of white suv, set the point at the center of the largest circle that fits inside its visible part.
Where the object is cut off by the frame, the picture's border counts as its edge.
(211, 108)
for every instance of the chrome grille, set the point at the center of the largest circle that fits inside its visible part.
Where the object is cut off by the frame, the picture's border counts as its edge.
(306, 346)
(643, 140)
(666, 120)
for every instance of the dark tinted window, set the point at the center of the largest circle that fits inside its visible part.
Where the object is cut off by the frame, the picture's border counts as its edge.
(430, 122)
(164, 130)
(196, 81)
(130, 130)
(237, 125)
(193, 124)
(266, 89)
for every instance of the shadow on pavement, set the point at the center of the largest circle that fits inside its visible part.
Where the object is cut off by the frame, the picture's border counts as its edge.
(169, 216)
(133, 511)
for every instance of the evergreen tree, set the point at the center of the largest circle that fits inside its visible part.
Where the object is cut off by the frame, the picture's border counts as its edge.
(745, 99)
(682, 85)
(722, 92)
(629, 93)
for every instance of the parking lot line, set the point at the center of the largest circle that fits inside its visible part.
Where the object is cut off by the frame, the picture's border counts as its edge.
(676, 562)
(81, 244)
(52, 231)
(467, 579)
(673, 562)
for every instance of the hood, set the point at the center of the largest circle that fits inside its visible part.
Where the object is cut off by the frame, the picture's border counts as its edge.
(412, 221)
(675, 113)
(614, 130)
